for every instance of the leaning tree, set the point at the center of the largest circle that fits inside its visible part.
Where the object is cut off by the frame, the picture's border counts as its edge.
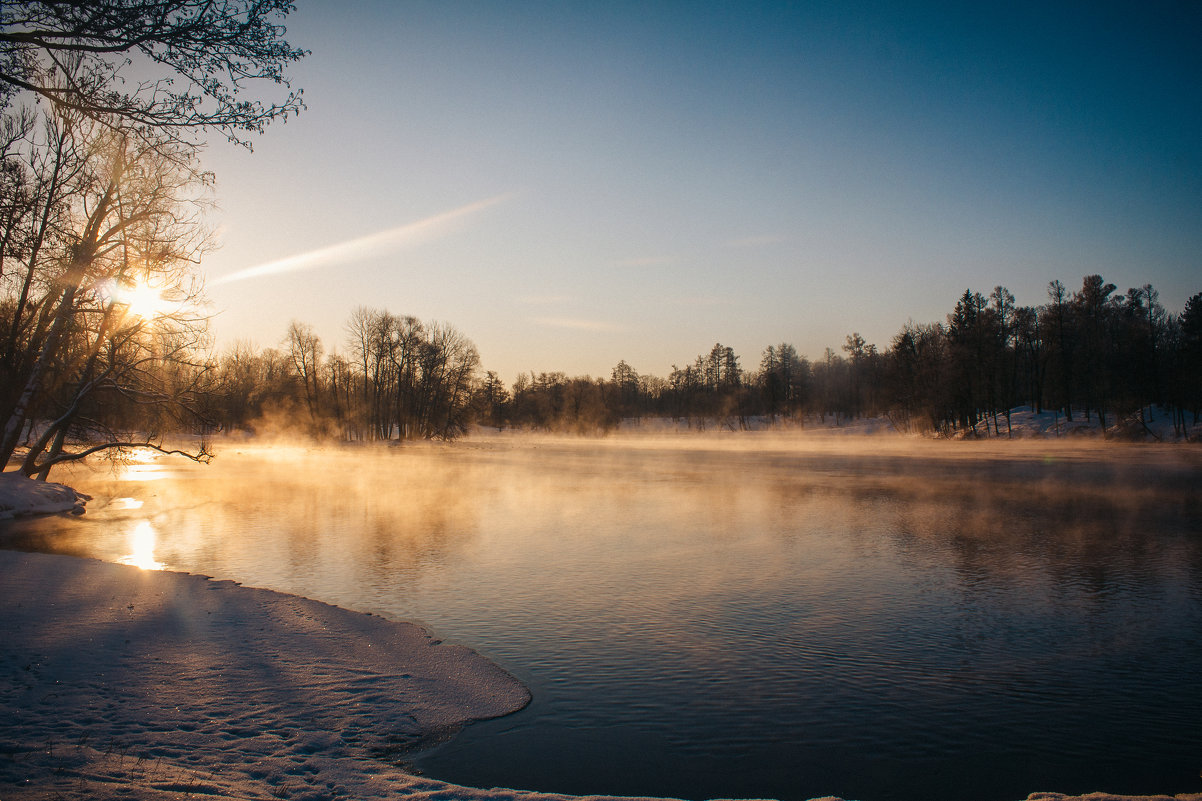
(105, 106)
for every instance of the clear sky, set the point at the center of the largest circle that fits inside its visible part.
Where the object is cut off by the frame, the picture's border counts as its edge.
(574, 183)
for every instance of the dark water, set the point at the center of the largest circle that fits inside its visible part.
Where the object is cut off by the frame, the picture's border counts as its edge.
(696, 619)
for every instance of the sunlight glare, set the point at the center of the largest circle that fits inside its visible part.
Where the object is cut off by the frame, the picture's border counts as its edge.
(142, 464)
(141, 545)
(144, 301)
(144, 455)
(143, 472)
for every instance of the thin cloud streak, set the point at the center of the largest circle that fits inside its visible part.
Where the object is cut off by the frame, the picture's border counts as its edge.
(756, 241)
(646, 261)
(545, 300)
(700, 301)
(364, 246)
(577, 324)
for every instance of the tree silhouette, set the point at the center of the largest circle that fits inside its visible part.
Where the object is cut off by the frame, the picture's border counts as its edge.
(115, 215)
(200, 55)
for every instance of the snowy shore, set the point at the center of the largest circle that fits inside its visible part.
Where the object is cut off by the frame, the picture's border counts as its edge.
(117, 682)
(144, 684)
(20, 496)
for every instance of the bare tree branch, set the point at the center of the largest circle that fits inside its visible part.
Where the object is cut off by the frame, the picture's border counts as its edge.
(214, 48)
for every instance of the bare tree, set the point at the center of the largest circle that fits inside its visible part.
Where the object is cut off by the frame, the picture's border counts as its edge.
(200, 55)
(105, 296)
(104, 103)
(304, 349)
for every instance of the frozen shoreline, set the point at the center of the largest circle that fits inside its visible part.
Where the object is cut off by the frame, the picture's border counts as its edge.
(20, 496)
(119, 682)
(160, 682)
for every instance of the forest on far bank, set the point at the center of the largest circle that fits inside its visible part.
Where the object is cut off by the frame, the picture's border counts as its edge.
(1094, 353)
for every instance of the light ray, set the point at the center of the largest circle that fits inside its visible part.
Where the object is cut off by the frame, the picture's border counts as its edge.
(362, 247)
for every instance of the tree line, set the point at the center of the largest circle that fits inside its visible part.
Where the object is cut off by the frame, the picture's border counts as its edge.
(402, 379)
(1093, 354)
(1090, 354)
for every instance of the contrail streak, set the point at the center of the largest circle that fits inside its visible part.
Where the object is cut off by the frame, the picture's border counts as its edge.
(580, 325)
(361, 248)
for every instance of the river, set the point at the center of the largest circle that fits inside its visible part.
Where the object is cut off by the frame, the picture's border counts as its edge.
(743, 615)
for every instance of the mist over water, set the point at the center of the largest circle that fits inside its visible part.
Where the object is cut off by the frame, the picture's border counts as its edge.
(738, 616)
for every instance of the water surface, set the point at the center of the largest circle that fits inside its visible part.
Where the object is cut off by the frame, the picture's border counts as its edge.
(739, 616)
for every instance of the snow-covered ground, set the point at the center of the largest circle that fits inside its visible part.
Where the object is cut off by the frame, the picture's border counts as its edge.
(1152, 424)
(23, 496)
(117, 682)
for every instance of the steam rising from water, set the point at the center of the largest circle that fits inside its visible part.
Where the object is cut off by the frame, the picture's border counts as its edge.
(425, 498)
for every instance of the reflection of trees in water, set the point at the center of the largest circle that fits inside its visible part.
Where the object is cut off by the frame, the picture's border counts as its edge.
(1089, 538)
(1087, 525)
(389, 521)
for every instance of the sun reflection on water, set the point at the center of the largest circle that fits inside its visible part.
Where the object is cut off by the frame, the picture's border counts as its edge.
(141, 541)
(143, 465)
(144, 472)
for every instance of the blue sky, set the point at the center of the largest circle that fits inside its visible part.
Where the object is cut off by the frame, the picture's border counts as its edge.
(575, 183)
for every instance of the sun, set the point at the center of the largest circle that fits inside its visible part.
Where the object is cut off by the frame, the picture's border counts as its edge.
(144, 301)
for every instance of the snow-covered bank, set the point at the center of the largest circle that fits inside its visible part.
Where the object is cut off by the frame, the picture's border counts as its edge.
(23, 496)
(1150, 424)
(1110, 797)
(118, 681)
